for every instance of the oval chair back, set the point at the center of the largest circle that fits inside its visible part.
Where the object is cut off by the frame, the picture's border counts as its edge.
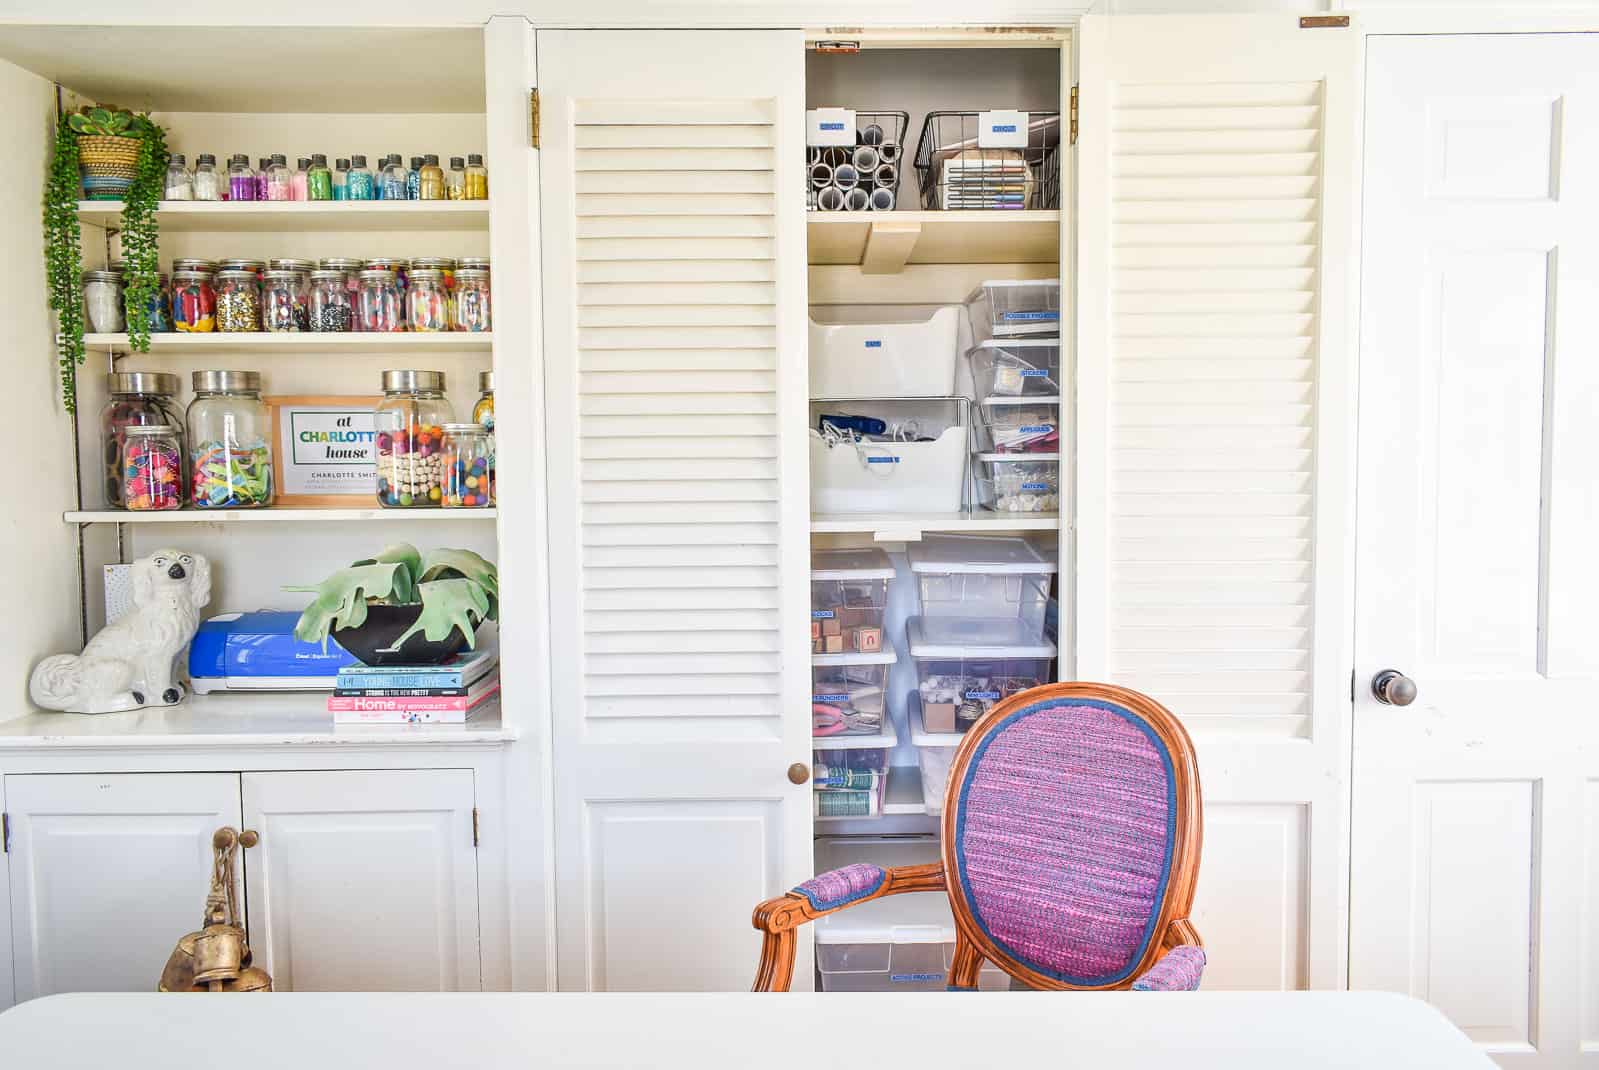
(1071, 838)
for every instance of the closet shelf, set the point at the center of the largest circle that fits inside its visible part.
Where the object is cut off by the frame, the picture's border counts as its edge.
(910, 527)
(265, 342)
(272, 515)
(883, 243)
(258, 216)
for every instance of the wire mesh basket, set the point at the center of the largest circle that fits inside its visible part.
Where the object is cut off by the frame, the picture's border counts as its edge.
(863, 176)
(956, 171)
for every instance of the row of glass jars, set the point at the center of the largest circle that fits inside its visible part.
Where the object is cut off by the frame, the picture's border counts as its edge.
(336, 294)
(312, 179)
(218, 455)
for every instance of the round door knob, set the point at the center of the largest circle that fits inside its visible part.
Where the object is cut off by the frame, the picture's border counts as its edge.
(1393, 688)
(799, 773)
(249, 838)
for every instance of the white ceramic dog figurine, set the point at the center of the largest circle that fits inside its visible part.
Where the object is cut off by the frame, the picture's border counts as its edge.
(132, 662)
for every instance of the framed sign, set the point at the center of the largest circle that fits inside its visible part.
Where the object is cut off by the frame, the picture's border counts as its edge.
(325, 449)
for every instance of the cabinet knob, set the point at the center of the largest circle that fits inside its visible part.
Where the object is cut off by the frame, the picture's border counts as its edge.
(799, 773)
(249, 838)
(1393, 688)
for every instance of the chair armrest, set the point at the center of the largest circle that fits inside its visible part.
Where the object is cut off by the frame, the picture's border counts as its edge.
(822, 895)
(1178, 970)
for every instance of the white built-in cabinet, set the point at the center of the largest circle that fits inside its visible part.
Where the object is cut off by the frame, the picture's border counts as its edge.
(360, 881)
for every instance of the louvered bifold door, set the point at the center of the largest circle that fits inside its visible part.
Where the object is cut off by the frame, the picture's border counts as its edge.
(1215, 520)
(674, 268)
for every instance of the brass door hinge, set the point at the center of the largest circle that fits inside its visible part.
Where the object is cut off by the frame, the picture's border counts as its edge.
(1323, 22)
(5, 833)
(474, 827)
(1074, 117)
(533, 118)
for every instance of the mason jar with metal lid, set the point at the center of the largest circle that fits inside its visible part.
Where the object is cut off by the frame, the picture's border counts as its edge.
(192, 263)
(230, 452)
(283, 302)
(291, 263)
(427, 302)
(379, 302)
(238, 300)
(483, 414)
(349, 265)
(134, 399)
(329, 303)
(102, 301)
(194, 302)
(472, 311)
(476, 263)
(243, 264)
(402, 277)
(465, 472)
(152, 467)
(410, 436)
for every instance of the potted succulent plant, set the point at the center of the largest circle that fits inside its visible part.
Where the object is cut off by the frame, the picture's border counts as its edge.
(403, 607)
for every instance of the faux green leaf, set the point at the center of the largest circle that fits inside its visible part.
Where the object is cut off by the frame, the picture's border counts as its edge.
(404, 553)
(341, 599)
(447, 605)
(444, 564)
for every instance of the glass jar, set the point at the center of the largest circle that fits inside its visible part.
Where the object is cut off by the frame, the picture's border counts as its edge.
(241, 180)
(209, 183)
(430, 187)
(230, 454)
(292, 263)
(455, 181)
(102, 302)
(402, 277)
(483, 414)
(243, 263)
(179, 183)
(190, 263)
(392, 182)
(134, 399)
(359, 183)
(477, 178)
(238, 301)
(329, 302)
(319, 179)
(427, 302)
(445, 264)
(300, 180)
(413, 180)
(476, 263)
(350, 267)
(472, 300)
(464, 472)
(194, 302)
(152, 468)
(279, 179)
(378, 301)
(410, 428)
(283, 302)
(341, 179)
(158, 309)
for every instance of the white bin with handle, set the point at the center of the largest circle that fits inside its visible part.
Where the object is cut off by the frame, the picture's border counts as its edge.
(886, 360)
(889, 477)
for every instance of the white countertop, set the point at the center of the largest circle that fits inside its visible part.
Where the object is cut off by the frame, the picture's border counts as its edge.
(802, 1031)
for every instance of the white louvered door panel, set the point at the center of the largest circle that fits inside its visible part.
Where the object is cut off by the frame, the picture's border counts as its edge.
(1216, 162)
(674, 274)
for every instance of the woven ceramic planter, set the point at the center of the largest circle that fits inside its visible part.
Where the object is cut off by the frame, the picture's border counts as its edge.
(108, 165)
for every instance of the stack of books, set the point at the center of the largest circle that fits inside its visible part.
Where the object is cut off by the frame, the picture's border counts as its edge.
(416, 694)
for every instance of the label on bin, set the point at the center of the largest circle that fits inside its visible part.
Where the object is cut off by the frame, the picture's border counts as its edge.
(990, 695)
(882, 460)
(1036, 429)
(914, 978)
(874, 343)
(1034, 373)
(1035, 486)
(830, 126)
(1037, 317)
(821, 614)
(830, 698)
(1002, 129)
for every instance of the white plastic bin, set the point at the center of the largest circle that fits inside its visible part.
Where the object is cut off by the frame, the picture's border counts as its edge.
(935, 754)
(885, 360)
(849, 587)
(978, 576)
(1019, 482)
(900, 943)
(889, 477)
(1009, 308)
(1021, 425)
(849, 774)
(965, 666)
(849, 690)
(1016, 367)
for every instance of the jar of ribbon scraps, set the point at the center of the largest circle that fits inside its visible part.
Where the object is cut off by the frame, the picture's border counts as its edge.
(230, 453)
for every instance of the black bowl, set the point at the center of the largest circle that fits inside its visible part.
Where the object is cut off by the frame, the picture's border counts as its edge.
(383, 625)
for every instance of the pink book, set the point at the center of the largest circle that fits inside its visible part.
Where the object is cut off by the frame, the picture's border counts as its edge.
(417, 709)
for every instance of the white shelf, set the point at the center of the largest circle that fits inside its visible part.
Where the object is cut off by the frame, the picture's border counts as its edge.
(264, 342)
(239, 719)
(910, 527)
(271, 515)
(883, 243)
(260, 216)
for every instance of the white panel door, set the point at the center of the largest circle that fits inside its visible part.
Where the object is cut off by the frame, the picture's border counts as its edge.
(1476, 809)
(107, 872)
(674, 268)
(1216, 165)
(364, 881)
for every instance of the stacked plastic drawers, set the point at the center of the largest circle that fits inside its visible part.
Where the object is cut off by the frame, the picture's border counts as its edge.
(979, 639)
(1016, 373)
(850, 658)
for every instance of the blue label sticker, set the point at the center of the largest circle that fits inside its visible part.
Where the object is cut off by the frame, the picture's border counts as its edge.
(829, 698)
(1038, 317)
(1034, 373)
(1003, 128)
(874, 343)
(821, 614)
(914, 978)
(990, 695)
(882, 460)
(1036, 429)
(1035, 486)
(830, 126)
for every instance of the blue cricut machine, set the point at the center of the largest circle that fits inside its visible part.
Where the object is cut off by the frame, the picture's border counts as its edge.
(258, 652)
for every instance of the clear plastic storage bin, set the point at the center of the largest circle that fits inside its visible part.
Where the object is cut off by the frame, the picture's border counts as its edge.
(849, 587)
(976, 576)
(1021, 425)
(849, 775)
(935, 754)
(901, 943)
(885, 360)
(1016, 368)
(848, 692)
(964, 667)
(1019, 483)
(1008, 308)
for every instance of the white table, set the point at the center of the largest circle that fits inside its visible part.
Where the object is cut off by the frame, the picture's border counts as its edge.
(738, 1031)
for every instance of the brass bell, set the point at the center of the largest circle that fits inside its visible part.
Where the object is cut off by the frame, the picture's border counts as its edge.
(218, 954)
(217, 958)
(251, 979)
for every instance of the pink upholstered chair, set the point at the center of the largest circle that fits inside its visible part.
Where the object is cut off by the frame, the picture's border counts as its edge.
(1071, 838)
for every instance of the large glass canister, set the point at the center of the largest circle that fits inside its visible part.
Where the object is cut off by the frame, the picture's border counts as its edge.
(102, 302)
(427, 303)
(194, 302)
(135, 399)
(152, 468)
(410, 437)
(466, 467)
(378, 302)
(283, 305)
(329, 302)
(483, 414)
(238, 300)
(472, 300)
(230, 449)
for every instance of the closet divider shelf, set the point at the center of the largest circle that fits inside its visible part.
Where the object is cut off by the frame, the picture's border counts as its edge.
(883, 243)
(909, 527)
(272, 515)
(278, 216)
(266, 342)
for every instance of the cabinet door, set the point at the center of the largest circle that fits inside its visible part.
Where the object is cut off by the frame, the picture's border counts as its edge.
(107, 872)
(674, 268)
(363, 881)
(1216, 177)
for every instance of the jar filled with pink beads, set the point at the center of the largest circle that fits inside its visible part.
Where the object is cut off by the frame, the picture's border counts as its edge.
(471, 300)
(378, 302)
(283, 307)
(329, 302)
(152, 468)
(427, 303)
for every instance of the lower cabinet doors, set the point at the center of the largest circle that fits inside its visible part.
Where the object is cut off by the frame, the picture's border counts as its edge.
(362, 880)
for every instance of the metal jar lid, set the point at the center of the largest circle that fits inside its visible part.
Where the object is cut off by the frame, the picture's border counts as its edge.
(194, 264)
(283, 275)
(225, 382)
(472, 275)
(133, 430)
(291, 263)
(377, 275)
(426, 275)
(341, 263)
(236, 274)
(103, 276)
(238, 264)
(485, 382)
(141, 383)
(388, 263)
(434, 263)
(327, 275)
(479, 263)
(404, 379)
(462, 429)
(191, 276)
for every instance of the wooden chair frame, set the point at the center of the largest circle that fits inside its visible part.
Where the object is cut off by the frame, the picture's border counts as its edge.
(778, 919)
